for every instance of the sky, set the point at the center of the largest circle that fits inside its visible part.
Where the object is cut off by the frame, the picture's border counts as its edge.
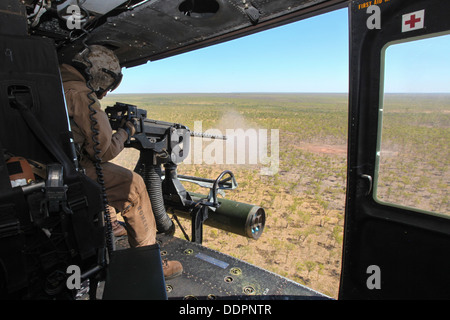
(421, 66)
(306, 56)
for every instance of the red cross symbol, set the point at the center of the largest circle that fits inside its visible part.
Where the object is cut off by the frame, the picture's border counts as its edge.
(413, 21)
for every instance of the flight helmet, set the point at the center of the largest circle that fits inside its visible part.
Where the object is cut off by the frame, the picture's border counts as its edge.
(103, 66)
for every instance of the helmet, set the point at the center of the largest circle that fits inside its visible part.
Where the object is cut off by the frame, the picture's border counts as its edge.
(105, 70)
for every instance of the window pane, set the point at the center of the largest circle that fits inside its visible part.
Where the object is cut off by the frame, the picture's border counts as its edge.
(414, 144)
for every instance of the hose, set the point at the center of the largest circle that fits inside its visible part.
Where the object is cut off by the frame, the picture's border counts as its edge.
(153, 183)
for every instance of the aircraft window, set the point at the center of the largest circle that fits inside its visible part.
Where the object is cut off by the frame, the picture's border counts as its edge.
(413, 153)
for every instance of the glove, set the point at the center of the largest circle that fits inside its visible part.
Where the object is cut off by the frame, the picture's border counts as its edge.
(130, 128)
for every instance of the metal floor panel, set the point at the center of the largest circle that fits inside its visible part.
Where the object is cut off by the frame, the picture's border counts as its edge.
(209, 274)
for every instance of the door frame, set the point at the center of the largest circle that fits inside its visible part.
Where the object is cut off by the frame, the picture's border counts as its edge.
(407, 250)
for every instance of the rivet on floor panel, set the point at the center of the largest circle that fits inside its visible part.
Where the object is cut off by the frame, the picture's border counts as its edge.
(236, 271)
(249, 290)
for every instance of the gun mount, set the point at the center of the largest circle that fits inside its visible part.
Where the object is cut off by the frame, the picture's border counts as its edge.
(165, 144)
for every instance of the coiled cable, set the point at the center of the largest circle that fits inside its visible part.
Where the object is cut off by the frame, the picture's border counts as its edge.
(95, 133)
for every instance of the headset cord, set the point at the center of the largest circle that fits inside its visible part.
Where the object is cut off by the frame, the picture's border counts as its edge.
(97, 158)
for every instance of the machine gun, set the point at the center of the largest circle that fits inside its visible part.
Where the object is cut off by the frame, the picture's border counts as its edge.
(166, 144)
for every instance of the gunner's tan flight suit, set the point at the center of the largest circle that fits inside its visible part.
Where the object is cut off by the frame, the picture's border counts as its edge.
(125, 189)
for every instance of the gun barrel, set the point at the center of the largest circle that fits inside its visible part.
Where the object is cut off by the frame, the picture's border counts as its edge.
(240, 218)
(206, 135)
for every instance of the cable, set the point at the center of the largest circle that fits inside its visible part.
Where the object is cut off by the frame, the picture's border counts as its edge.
(95, 133)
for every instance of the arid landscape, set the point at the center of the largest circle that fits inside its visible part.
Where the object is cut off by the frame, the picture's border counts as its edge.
(300, 179)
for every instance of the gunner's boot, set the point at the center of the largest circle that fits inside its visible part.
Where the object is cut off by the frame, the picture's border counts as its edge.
(171, 269)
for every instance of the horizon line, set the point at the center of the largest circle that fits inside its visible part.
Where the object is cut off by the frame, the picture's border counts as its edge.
(265, 92)
(236, 92)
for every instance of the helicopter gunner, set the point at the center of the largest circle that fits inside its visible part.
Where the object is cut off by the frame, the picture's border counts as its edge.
(125, 189)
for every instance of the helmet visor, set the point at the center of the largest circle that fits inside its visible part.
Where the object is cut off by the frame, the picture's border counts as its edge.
(116, 82)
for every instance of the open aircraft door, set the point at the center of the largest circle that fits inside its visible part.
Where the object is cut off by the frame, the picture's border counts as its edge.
(396, 247)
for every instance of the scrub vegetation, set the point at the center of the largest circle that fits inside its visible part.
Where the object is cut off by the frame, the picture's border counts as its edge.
(305, 199)
(415, 152)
